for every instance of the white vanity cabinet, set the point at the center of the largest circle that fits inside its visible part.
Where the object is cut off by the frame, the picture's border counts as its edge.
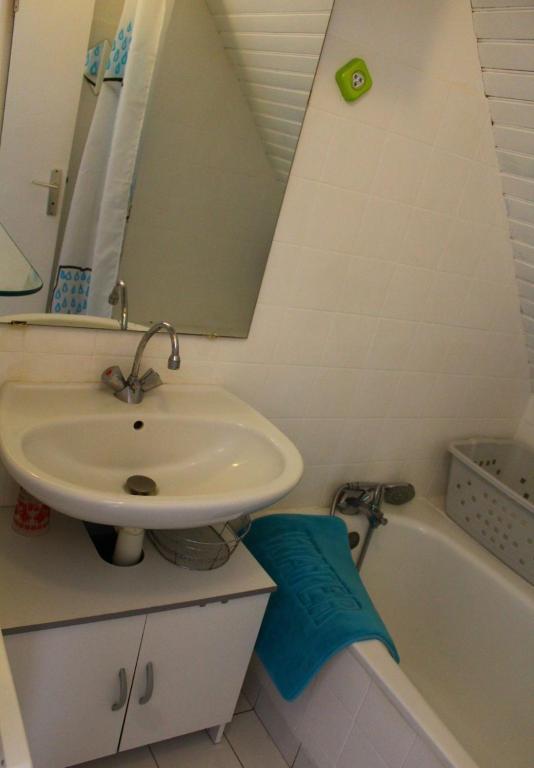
(150, 677)
(105, 659)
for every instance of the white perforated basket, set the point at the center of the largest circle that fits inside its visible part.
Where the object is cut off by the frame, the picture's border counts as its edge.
(491, 496)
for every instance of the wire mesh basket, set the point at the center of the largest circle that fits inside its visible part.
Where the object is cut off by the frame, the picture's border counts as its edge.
(491, 496)
(201, 549)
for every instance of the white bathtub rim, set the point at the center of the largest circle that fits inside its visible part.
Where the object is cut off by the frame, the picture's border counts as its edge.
(398, 688)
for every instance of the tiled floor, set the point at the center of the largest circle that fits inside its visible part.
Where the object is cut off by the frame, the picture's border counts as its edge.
(246, 744)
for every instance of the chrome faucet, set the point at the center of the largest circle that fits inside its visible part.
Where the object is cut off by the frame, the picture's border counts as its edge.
(363, 498)
(366, 499)
(132, 389)
(120, 293)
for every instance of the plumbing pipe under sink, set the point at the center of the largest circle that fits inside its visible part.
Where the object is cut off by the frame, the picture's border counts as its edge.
(129, 546)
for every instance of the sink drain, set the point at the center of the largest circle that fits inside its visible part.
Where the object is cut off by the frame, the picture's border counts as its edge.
(140, 485)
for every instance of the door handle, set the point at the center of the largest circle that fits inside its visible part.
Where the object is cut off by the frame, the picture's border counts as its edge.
(123, 691)
(45, 184)
(145, 698)
(54, 187)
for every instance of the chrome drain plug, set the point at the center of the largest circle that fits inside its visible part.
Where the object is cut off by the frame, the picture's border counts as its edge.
(140, 485)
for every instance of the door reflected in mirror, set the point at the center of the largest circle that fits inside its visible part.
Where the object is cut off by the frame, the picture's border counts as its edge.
(173, 124)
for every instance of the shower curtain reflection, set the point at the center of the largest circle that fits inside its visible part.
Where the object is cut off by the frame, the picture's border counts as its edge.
(90, 252)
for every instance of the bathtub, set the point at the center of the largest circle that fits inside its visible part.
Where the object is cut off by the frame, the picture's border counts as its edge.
(463, 695)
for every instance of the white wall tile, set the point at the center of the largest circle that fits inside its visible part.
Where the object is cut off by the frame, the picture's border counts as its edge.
(330, 724)
(371, 22)
(280, 280)
(481, 200)
(390, 280)
(402, 169)
(347, 680)
(420, 106)
(316, 439)
(296, 212)
(445, 178)
(302, 337)
(359, 747)
(359, 440)
(429, 349)
(349, 340)
(353, 155)
(365, 286)
(462, 121)
(463, 248)
(392, 345)
(446, 299)
(325, 276)
(385, 728)
(425, 240)
(374, 396)
(407, 294)
(335, 219)
(70, 341)
(422, 756)
(383, 228)
(285, 740)
(331, 391)
(412, 393)
(313, 145)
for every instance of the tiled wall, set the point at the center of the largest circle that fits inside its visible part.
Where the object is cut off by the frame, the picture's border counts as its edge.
(388, 321)
(506, 49)
(343, 719)
(525, 432)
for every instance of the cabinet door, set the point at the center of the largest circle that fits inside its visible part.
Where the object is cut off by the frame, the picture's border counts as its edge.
(67, 681)
(199, 656)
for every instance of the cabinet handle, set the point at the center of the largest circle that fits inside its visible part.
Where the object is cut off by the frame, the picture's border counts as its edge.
(123, 693)
(145, 698)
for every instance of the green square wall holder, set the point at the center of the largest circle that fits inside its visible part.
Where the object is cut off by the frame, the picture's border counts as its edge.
(353, 79)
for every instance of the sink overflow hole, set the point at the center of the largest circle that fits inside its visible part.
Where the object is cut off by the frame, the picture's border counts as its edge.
(138, 424)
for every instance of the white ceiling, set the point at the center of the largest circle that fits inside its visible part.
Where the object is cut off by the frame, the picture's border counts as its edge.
(505, 32)
(275, 46)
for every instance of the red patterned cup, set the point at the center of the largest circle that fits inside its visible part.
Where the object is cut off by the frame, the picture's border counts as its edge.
(31, 516)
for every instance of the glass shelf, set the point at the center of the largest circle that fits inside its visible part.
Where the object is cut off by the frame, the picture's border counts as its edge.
(17, 276)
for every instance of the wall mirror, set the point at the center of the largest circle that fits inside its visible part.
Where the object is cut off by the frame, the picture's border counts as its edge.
(145, 151)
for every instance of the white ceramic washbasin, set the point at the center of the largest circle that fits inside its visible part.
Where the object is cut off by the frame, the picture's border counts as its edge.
(211, 455)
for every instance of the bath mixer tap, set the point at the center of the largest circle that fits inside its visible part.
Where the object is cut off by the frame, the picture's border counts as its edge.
(366, 499)
(120, 293)
(132, 389)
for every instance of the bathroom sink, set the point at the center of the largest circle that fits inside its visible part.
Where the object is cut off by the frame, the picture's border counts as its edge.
(211, 455)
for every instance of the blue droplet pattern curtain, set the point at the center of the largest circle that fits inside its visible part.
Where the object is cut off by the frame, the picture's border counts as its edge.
(94, 233)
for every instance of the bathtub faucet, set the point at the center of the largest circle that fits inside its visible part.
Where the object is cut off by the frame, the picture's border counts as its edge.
(366, 498)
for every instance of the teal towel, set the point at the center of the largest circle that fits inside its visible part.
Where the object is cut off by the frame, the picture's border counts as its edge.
(321, 605)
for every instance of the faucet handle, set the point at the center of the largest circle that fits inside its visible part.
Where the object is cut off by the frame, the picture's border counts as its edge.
(149, 380)
(113, 378)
